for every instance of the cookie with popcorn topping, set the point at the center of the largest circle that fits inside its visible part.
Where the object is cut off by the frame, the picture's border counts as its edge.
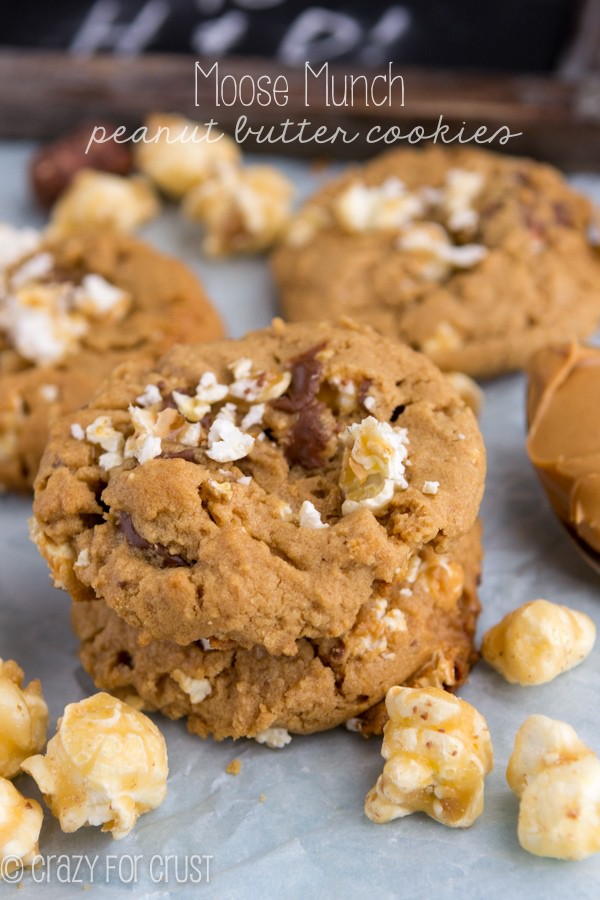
(259, 490)
(71, 310)
(475, 258)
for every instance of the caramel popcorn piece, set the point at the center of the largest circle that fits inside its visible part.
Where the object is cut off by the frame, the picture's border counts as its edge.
(373, 465)
(243, 210)
(20, 826)
(99, 199)
(557, 779)
(23, 719)
(538, 641)
(106, 765)
(438, 753)
(178, 154)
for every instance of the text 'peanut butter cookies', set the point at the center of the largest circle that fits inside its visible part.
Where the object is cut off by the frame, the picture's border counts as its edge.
(257, 490)
(476, 259)
(72, 309)
(419, 631)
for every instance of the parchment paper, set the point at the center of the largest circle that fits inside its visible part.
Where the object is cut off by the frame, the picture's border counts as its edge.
(309, 837)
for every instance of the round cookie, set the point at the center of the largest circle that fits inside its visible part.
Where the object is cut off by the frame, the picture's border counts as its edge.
(257, 490)
(419, 631)
(475, 258)
(70, 311)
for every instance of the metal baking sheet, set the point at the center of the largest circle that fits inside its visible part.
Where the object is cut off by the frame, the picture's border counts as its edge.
(292, 823)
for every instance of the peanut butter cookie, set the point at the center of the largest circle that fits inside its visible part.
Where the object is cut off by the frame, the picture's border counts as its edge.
(70, 310)
(258, 490)
(475, 258)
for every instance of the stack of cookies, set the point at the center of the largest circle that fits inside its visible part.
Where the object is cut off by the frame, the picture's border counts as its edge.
(264, 535)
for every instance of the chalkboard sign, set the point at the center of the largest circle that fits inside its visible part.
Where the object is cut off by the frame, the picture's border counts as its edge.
(519, 35)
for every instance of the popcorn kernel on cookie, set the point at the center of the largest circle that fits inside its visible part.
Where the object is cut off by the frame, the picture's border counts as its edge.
(179, 153)
(538, 641)
(373, 465)
(99, 199)
(23, 719)
(20, 825)
(438, 753)
(557, 779)
(106, 765)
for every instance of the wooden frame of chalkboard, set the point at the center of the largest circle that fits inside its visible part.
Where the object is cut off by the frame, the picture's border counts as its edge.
(44, 94)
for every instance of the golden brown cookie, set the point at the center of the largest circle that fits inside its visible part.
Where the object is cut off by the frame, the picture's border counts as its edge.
(419, 631)
(475, 258)
(70, 310)
(257, 490)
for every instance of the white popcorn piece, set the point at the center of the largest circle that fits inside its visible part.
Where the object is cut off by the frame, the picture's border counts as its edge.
(347, 393)
(373, 466)
(258, 387)
(49, 392)
(23, 719)
(538, 641)
(388, 206)
(221, 488)
(77, 432)
(254, 416)
(209, 390)
(241, 368)
(370, 636)
(461, 189)
(197, 689)
(190, 435)
(99, 299)
(245, 479)
(275, 738)
(177, 153)
(438, 752)
(431, 487)
(20, 826)
(243, 210)
(33, 269)
(83, 559)
(39, 323)
(106, 765)
(354, 724)
(557, 779)
(150, 397)
(226, 442)
(434, 254)
(191, 408)
(310, 517)
(100, 199)
(102, 433)
(16, 243)
(150, 427)
(369, 403)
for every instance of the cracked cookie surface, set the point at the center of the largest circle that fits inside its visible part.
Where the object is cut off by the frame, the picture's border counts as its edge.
(70, 311)
(259, 490)
(419, 631)
(475, 258)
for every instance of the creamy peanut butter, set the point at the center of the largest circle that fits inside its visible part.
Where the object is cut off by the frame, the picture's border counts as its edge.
(563, 411)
